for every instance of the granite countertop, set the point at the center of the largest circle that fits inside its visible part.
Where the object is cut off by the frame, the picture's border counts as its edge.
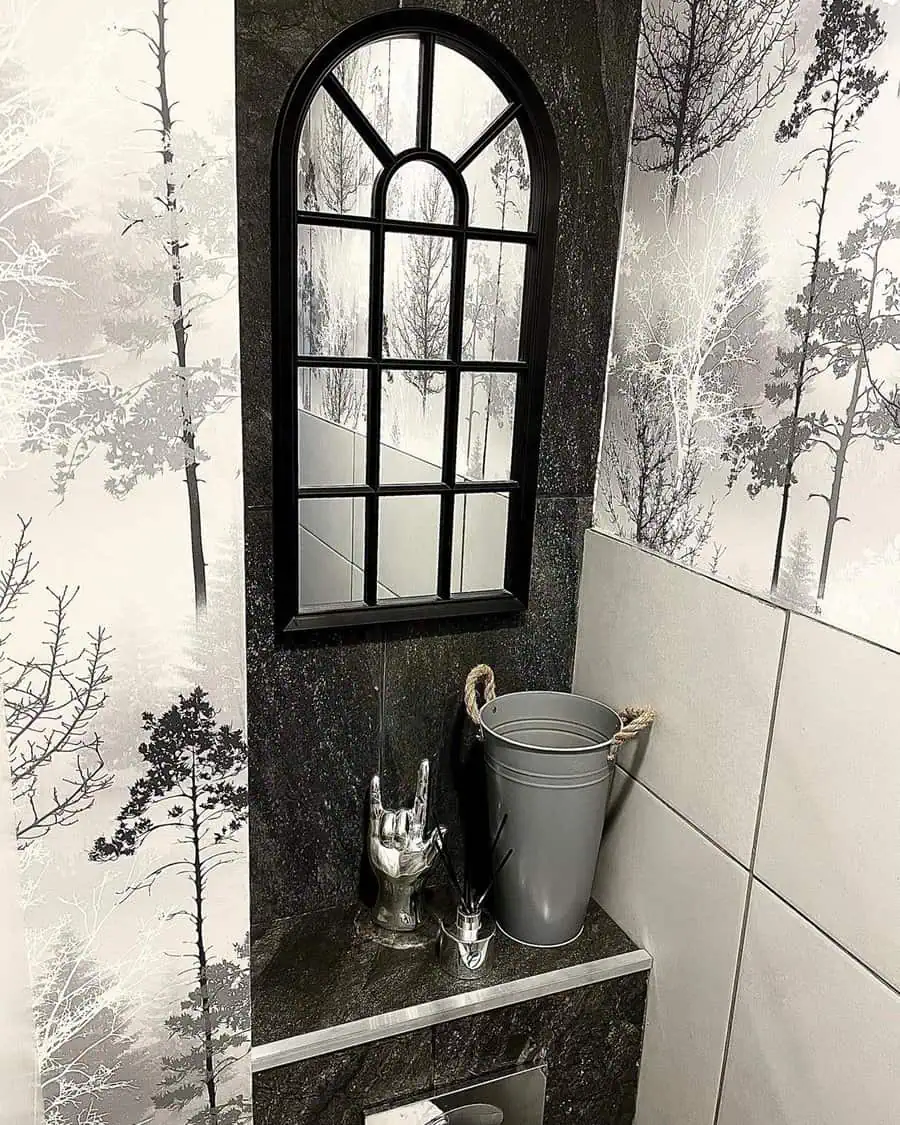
(319, 985)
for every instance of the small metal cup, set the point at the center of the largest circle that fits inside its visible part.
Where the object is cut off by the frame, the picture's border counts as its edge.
(466, 947)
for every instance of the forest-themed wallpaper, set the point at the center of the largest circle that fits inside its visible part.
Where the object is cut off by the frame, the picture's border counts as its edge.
(753, 420)
(123, 799)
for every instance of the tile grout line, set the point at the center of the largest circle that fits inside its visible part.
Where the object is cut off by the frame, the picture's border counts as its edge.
(746, 914)
(829, 937)
(684, 817)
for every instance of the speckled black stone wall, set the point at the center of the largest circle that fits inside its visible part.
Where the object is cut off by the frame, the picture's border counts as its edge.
(328, 712)
(589, 1039)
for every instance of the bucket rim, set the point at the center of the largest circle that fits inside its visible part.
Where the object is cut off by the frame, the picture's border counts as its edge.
(548, 749)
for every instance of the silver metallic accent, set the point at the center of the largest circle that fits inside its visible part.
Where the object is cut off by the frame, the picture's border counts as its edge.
(466, 946)
(401, 858)
(513, 1099)
(486, 998)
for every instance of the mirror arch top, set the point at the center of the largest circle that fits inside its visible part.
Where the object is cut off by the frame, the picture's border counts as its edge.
(413, 152)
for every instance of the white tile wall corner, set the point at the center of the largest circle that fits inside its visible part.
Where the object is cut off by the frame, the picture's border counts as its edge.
(816, 1037)
(706, 657)
(830, 834)
(683, 899)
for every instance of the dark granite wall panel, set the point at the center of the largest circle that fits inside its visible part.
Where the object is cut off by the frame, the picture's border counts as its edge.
(326, 713)
(315, 744)
(588, 1038)
(334, 1089)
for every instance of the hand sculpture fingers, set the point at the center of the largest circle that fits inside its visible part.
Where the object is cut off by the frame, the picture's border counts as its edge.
(433, 844)
(389, 828)
(376, 808)
(401, 829)
(420, 804)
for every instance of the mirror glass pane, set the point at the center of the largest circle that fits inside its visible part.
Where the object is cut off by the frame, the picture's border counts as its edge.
(408, 546)
(419, 192)
(335, 167)
(383, 79)
(466, 101)
(331, 551)
(487, 404)
(479, 542)
(417, 295)
(412, 426)
(333, 291)
(499, 182)
(331, 441)
(495, 279)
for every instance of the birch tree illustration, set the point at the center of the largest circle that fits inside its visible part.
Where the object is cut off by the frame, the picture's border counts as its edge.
(696, 326)
(92, 1068)
(36, 298)
(193, 792)
(706, 71)
(53, 698)
(838, 87)
(650, 495)
(856, 319)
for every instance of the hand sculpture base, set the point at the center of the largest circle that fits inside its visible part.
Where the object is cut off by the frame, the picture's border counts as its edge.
(423, 937)
(401, 857)
(399, 906)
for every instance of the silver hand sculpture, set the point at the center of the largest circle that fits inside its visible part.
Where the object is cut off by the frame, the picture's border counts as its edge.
(400, 856)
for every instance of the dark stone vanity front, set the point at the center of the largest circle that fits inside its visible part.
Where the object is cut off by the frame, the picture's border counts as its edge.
(342, 1025)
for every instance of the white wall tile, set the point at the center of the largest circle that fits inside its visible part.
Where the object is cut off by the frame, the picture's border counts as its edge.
(830, 835)
(706, 657)
(816, 1037)
(681, 898)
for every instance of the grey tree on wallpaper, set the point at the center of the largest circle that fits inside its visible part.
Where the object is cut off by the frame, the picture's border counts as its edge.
(752, 411)
(192, 790)
(53, 696)
(118, 528)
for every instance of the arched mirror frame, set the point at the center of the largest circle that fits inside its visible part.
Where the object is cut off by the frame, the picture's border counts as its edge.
(527, 108)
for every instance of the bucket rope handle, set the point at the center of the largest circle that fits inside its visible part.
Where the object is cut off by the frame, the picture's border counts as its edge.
(634, 719)
(481, 676)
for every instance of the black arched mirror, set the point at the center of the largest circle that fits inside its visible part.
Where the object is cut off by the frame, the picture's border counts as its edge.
(415, 189)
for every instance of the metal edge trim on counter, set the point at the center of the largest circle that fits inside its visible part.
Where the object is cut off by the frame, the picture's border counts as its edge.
(329, 1039)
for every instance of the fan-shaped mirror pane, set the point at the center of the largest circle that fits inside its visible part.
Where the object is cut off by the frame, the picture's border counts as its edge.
(383, 79)
(419, 192)
(466, 101)
(335, 167)
(499, 182)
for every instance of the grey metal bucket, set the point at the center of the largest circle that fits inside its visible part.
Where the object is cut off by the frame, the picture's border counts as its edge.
(547, 769)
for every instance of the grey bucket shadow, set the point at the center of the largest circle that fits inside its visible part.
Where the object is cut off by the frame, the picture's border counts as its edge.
(614, 804)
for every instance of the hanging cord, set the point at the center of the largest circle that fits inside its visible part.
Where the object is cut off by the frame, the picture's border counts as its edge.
(481, 679)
